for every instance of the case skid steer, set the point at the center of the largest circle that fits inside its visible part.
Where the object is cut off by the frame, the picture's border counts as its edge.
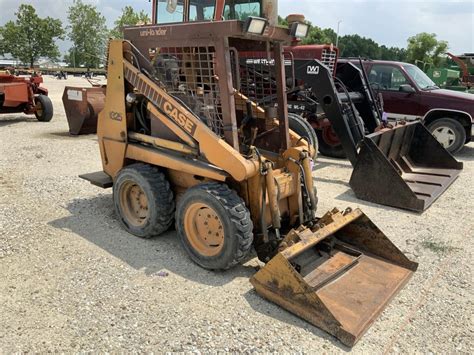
(181, 144)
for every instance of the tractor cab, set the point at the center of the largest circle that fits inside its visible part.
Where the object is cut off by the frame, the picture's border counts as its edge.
(176, 11)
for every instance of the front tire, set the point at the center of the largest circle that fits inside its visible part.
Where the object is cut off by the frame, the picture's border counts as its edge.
(143, 200)
(214, 226)
(304, 129)
(43, 108)
(449, 132)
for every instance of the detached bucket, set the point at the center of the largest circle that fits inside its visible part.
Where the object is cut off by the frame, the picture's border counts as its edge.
(404, 167)
(339, 277)
(82, 106)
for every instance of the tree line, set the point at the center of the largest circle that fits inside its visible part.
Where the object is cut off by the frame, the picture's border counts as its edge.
(30, 37)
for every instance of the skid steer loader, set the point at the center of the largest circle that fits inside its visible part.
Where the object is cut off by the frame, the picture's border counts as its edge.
(179, 143)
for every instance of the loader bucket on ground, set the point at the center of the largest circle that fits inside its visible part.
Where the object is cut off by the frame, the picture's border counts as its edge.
(404, 167)
(82, 106)
(338, 277)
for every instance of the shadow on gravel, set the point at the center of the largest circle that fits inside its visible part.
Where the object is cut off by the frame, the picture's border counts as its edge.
(466, 154)
(260, 305)
(94, 220)
(10, 121)
(321, 164)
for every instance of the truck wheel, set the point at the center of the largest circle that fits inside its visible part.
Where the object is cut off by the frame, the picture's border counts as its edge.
(214, 226)
(329, 144)
(143, 200)
(302, 127)
(43, 108)
(449, 132)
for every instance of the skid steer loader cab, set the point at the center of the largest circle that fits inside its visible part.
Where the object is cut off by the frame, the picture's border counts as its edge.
(180, 143)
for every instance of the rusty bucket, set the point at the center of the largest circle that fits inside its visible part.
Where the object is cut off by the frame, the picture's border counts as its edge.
(338, 276)
(404, 167)
(82, 106)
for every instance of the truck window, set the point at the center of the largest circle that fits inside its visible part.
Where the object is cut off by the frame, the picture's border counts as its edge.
(170, 11)
(387, 77)
(241, 9)
(202, 10)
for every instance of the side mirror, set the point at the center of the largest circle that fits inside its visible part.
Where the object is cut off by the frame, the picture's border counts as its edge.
(407, 88)
(171, 6)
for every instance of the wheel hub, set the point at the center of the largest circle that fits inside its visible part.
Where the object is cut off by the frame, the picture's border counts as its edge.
(204, 229)
(134, 203)
(330, 137)
(39, 108)
(445, 136)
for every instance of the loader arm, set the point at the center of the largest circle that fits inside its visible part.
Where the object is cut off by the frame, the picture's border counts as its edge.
(317, 76)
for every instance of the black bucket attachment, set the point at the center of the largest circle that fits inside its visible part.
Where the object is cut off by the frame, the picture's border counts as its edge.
(404, 167)
(82, 106)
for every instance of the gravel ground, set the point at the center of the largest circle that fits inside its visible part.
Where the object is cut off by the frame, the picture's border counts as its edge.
(73, 280)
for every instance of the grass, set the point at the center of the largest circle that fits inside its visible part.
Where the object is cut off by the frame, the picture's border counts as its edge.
(436, 247)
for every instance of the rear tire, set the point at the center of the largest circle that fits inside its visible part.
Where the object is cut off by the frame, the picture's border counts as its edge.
(329, 149)
(214, 226)
(143, 200)
(44, 108)
(449, 132)
(304, 129)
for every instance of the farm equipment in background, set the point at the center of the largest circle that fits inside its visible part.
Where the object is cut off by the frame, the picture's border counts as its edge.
(25, 95)
(179, 140)
(82, 107)
(456, 74)
(467, 76)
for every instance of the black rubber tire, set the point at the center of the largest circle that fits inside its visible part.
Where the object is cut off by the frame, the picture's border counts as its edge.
(160, 198)
(333, 151)
(456, 127)
(235, 217)
(47, 106)
(303, 128)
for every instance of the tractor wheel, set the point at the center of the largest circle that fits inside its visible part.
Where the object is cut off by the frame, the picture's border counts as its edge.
(329, 144)
(214, 226)
(449, 132)
(43, 108)
(302, 127)
(143, 200)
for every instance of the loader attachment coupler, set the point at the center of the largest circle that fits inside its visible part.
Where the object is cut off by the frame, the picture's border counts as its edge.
(338, 276)
(404, 167)
(82, 106)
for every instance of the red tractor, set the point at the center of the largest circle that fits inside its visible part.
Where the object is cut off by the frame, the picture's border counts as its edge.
(26, 95)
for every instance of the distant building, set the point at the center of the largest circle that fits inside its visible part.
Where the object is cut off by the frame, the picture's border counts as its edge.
(8, 62)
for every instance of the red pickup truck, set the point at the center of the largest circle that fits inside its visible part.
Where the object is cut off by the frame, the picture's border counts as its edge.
(409, 94)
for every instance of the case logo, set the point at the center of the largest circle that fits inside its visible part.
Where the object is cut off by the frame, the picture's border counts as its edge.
(181, 119)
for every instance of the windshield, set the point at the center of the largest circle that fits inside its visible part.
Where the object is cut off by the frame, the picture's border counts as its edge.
(419, 77)
(241, 9)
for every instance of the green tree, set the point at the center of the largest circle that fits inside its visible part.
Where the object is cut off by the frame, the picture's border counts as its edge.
(128, 18)
(88, 33)
(426, 47)
(318, 35)
(30, 37)
(357, 46)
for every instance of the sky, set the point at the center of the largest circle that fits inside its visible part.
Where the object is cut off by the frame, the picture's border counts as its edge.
(388, 22)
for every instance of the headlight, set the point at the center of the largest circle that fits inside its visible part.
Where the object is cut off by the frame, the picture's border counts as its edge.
(255, 25)
(299, 30)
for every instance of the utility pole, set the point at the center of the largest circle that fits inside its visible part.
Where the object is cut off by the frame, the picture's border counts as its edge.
(337, 34)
